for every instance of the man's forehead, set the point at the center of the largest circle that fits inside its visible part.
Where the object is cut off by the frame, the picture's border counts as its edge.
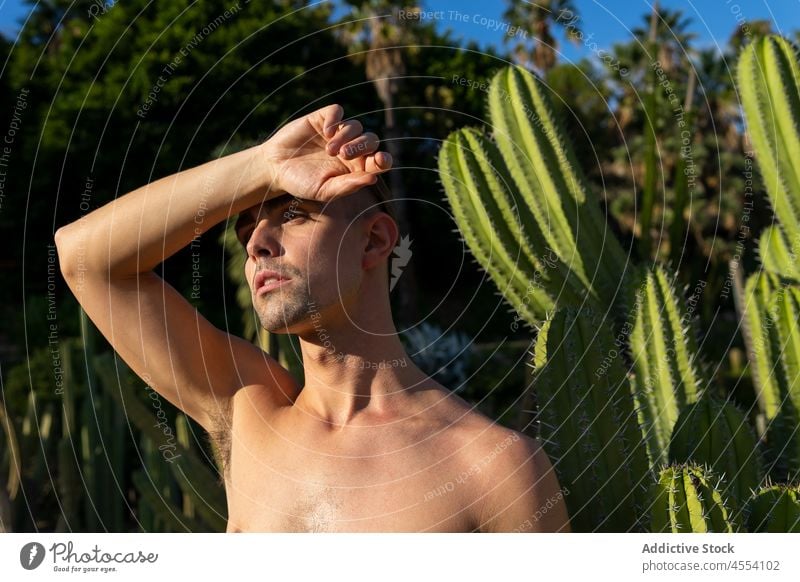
(270, 205)
(345, 206)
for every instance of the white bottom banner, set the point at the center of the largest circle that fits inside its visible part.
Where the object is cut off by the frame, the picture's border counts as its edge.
(400, 557)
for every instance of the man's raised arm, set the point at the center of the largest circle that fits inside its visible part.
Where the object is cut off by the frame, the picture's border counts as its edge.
(108, 257)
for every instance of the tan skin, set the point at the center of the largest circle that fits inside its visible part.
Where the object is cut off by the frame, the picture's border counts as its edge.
(369, 443)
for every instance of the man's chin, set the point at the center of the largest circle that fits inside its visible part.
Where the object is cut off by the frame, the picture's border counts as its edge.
(280, 326)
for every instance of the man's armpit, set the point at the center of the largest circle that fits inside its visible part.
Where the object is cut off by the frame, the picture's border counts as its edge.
(221, 435)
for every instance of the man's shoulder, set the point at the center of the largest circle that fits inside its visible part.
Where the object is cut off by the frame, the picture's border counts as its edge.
(493, 445)
(513, 478)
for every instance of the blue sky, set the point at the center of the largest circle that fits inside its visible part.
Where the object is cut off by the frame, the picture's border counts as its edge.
(609, 21)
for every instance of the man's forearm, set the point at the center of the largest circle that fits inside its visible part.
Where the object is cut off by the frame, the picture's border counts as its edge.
(139, 230)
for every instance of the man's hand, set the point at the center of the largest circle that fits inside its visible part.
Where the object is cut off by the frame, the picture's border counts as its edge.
(320, 157)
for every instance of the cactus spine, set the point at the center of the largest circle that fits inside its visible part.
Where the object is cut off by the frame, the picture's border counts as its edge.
(779, 254)
(482, 205)
(553, 242)
(770, 312)
(775, 509)
(684, 500)
(589, 428)
(588, 424)
(549, 178)
(769, 84)
(662, 349)
(717, 434)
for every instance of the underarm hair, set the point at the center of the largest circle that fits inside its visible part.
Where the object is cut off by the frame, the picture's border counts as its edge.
(220, 436)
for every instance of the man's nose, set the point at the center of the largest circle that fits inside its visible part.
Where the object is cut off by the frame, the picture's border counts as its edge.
(262, 242)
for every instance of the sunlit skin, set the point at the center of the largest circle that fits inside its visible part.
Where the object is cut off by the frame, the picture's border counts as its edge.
(369, 442)
(337, 270)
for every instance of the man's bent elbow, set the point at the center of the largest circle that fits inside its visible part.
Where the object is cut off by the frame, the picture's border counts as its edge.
(66, 262)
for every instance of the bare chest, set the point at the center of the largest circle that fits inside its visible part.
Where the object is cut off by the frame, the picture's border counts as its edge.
(372, 484)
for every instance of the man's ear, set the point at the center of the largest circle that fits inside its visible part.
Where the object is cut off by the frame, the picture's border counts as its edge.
(381, 235)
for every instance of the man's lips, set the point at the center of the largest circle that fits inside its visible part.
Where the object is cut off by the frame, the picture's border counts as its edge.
(265, 281)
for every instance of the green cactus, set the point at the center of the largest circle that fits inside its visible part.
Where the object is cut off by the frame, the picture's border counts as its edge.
(588, 407)
(482, 206)
(555, 216)
(549, 178)
(684, 500)
(663, 351)
(779, 254)
(194, 478)
(157, 473)
(70, 487)
(769, 85)
(155, 509)
(587, 423)
(762, 343)
(717, 434)
(774, 509)
(770, 309)
(9, 457)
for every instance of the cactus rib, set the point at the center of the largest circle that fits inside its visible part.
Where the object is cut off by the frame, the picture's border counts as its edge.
(684, 500)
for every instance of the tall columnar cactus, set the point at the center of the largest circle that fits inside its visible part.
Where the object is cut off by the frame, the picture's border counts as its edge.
(717, 434)
(10, 458)
(484, 208)
(770, 309)
(663, 352)
(588, 424)
(547, 174)
(769, 85)
(780, 252)
(686, 500)
(774, 509)
(526, 213)
(184, 467)
(524, 206)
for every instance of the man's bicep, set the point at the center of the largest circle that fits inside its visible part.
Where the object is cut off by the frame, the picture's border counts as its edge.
(173, 348)
(524, 494)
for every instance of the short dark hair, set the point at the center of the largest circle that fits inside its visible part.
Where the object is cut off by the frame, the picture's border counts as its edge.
(382, 198)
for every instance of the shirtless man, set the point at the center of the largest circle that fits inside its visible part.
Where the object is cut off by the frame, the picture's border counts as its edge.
(369, 443)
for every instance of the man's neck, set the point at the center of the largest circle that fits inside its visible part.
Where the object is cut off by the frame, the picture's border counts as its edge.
(356, 375)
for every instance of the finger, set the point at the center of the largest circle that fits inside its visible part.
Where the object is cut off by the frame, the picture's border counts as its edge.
(331, 118)
(379, 162)
(347, 131)
(363, 145)
(347, 184)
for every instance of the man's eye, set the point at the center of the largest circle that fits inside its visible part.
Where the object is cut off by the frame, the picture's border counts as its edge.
(291, 215)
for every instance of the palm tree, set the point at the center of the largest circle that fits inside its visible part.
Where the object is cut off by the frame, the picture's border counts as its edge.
(539, 18)
(668, 29)
(377, 36)
(643, 110)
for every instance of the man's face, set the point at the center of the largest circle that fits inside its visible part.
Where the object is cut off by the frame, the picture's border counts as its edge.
(313, 245)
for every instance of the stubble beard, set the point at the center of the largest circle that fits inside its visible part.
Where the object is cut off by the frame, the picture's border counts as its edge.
(284, 307)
